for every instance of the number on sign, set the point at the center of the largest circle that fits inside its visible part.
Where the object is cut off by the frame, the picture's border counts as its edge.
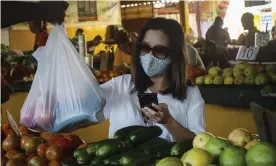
(245, 53)
(261, 39)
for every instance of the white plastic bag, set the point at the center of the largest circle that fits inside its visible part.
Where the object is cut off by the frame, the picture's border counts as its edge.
(64, 91)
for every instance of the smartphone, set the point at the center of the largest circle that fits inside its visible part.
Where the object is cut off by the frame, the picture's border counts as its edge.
(146, 99)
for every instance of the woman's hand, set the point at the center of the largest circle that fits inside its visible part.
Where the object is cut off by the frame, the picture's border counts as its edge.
(17, 52)
(161, 115)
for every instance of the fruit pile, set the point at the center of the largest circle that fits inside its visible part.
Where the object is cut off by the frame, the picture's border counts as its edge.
(241, 73)
(138, 145)
(36, 149)
(104, 76)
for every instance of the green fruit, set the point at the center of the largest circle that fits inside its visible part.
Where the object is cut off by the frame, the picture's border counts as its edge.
(262, 79)
(199, 80)
(215, 146)
(250, 80)
(197, 157)
(201, 140)
(270, 68)
(232, 156)
(259, 68)
(239, 137)
(79, 152)
(170, 161)
(181, 147)
(83, 158)
(214, 71)
(250, 71)
(262, 154)
(242, 65)
(238, 72)
(239, 80)
(91, 149)
(218, 80)
(273, 79)
(229, 80)
(228, 72)
(208, 80)
(250, 144)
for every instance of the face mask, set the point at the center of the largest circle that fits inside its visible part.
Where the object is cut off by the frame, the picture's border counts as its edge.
(153, 66)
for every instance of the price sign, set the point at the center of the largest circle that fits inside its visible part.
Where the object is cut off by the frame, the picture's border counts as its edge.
(247, 53)
(12, 123)
(261, 39)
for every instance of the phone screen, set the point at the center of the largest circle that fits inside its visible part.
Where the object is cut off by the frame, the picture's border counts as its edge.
(146, 99)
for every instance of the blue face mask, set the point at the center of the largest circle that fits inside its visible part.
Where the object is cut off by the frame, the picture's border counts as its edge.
(153, 66)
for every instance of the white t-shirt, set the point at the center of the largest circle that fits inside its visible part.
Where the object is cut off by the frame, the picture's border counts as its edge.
(123, 109)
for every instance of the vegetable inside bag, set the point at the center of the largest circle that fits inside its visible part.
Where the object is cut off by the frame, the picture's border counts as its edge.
(64, 94)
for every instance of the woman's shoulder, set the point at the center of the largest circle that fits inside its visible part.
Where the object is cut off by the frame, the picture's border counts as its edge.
(193, 93)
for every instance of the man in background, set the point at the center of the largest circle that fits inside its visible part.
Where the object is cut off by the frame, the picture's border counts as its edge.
(248, 39)
(217, 34)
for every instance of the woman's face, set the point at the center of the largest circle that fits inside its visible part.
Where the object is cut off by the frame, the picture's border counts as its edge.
(156, 38)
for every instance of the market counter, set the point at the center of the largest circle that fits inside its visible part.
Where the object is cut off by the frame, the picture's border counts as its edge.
(220, 120)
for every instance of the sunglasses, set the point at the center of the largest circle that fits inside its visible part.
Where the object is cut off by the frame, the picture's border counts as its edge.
(160, 52)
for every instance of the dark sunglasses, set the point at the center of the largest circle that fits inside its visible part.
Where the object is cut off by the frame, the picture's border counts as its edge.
(160, 52)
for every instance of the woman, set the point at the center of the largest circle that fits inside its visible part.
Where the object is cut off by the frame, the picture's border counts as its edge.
(158, 66)
(40, 31)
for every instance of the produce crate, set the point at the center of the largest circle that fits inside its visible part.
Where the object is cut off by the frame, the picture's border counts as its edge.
(236, 95)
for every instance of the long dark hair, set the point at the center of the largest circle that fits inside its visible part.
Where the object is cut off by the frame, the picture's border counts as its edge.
(176, 73)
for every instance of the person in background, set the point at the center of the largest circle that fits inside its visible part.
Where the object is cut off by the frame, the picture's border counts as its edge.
(122, 57)
(248, 39)
(192, 54)
(91, 45)
(39, 28)
(158, 66)
(217, 34)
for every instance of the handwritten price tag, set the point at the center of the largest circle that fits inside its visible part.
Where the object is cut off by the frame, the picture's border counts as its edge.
(247, 53)
(261, 39)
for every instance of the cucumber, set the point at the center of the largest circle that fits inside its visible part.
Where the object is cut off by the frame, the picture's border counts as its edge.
(110, 148)
(83, 159)
(122, 133)
(91, 149)
(181, 147)
(129, 158)
(147, 161)
(116, 158)
(78, 152)
(144, 134)
(155, 149)
(152, 142)
(96, 161)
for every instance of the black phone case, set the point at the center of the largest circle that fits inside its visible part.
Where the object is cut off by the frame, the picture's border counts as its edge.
(146, 100)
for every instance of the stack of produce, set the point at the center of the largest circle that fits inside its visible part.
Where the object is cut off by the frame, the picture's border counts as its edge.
(240, 149)
(36, 149)
(104, 76)
(241, 73)
(15, 68)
